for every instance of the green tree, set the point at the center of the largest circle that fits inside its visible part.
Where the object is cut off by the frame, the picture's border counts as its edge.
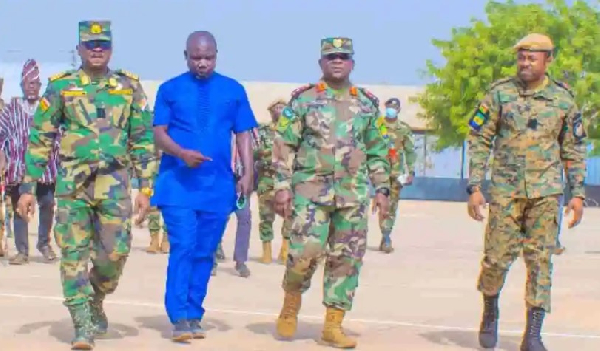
(477, 55)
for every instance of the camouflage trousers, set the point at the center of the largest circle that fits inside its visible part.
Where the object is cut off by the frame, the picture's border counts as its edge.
(338, 233)
(94, 223)
(529, 226)
(387, 224)
(155, 222)
(267, 217)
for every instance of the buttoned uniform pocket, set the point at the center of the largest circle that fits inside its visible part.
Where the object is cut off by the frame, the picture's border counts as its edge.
(118, 109)
(78, 109)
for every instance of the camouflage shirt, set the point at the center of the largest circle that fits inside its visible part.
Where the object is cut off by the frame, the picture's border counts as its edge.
(402, 147)
(328, 143)
(263, 153)
(106, 126)
(532, 134)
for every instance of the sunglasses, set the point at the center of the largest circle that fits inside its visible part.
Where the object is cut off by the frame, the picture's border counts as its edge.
(339, 56)
(97, 44)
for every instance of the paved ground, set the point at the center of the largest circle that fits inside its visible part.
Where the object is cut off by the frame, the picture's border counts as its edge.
(420, 298)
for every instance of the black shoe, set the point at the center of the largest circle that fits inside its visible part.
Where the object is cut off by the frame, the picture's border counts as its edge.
(488, 329)
(196, 328)
(220, 253)
(242, 270)
(532, 339)
(181, 331)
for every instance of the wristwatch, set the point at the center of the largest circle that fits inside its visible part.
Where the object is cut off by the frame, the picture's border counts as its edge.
(384, 191)
(472, 188)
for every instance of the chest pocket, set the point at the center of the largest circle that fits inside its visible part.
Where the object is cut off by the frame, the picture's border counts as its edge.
(360, 122)
(318, 121)
(549, 119)
(117, 108)
(78, 109)
(512, 119)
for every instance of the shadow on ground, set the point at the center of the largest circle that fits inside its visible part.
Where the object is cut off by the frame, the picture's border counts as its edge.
(468, 340)
(162, 325)
(62, 330)
(306, 330)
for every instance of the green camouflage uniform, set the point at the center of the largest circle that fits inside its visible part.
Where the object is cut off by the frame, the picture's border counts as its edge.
(155, 222)
(327, 145)
(531, 133)
(266, 183)
(402, 158)
(106, 123)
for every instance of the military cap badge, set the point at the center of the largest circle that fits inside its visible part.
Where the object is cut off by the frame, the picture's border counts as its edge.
(95, 28)
(337, 43)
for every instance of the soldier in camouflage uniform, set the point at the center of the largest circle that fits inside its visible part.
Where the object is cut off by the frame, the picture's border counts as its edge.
(106, 125)
(266, 191)
(328, 143)
(402, 158)
(534, 128)
(155, 225)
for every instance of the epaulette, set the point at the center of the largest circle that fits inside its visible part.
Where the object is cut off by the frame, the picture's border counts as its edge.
(370, 96)
(127, 74)
(297, 92)
(60, 75)
(564, 86)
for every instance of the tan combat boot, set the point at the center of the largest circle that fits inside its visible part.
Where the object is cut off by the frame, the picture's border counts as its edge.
(165, 246)
(267, 256)
(288, 318)
(154, 246)
(283, 252)
(333, 335)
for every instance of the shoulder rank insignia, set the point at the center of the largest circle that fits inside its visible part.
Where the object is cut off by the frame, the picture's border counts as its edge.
(59, 76)
(479, 118)
(565, 87)
(297, 92)
(370, 96)
(127, 74)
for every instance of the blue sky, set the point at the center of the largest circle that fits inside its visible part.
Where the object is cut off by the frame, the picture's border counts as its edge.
(259, 40)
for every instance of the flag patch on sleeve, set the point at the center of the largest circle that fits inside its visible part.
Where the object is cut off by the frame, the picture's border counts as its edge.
(479, 118)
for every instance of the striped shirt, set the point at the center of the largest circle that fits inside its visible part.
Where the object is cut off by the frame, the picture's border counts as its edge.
(15, 121)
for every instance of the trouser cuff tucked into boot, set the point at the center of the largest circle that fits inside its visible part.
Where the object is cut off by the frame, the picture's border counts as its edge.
(84, 329)
(333, 335)
(99, 319)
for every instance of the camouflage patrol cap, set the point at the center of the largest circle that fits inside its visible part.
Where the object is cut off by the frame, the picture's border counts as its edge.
(334, 45)
(94, 30)
(534, 42)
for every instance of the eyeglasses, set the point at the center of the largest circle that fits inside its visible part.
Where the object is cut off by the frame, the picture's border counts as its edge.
(97, 44)
(339, 56)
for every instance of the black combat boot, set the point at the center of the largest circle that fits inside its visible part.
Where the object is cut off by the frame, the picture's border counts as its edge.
(488, 329)
(532, 339)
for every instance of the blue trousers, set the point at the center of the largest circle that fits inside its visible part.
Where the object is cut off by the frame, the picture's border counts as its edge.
(194, 237)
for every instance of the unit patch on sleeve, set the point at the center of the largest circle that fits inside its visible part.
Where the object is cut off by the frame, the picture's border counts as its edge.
(479, 118)
(578, 129)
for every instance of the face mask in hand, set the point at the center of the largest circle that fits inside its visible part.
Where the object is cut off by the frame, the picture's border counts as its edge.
(391, 113)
